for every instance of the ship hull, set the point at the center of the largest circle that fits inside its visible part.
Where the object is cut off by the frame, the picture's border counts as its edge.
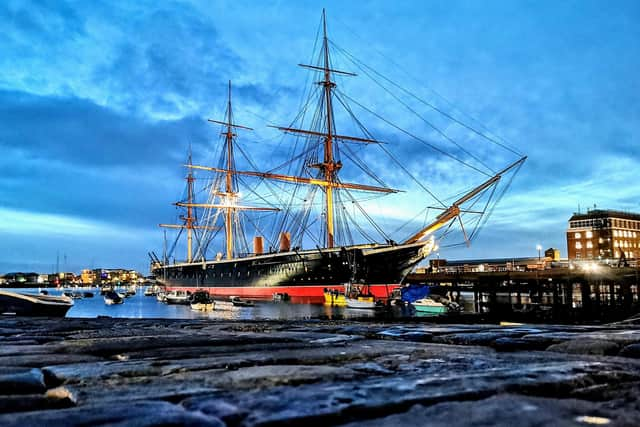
(302, 275)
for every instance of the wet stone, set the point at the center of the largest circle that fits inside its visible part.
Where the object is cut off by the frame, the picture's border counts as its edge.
(265, 373)
(631, 350)
(142, 414)
(586, 346)
(20, 380)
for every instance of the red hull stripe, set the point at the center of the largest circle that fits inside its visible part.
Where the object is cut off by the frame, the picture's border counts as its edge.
(303, 294)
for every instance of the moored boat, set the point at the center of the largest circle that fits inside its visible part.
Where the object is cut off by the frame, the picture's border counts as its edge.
(112, 298)
(239, 302)
(21, 304)
(222, 304)
(177, 297)
(202, 301)
(359, 297)
(427, 305)
(335, 297)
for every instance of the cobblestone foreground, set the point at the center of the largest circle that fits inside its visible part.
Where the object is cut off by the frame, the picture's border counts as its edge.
(95, 372)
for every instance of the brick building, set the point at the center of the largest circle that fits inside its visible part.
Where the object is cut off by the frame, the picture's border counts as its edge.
(603, 234)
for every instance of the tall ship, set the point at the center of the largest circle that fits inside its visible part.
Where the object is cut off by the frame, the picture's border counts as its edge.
(308, 224)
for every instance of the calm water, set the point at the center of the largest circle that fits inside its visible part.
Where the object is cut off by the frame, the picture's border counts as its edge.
(140, 306)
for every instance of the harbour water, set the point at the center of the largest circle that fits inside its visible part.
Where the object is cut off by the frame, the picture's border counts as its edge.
(139, 306)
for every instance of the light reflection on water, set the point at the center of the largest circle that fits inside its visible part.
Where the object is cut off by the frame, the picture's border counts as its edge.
(140, 306)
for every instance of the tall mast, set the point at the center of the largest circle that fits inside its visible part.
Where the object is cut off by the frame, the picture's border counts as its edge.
(189, 219)
(229, 182)
(329, 165)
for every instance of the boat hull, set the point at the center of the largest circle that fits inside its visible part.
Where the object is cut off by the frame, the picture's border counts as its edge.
(34, 305)
(302, 275)
(429, 307)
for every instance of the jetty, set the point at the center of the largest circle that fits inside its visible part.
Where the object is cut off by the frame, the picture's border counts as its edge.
(565, 295)
(151, 372)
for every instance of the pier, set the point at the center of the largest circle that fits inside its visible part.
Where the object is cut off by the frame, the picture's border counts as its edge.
(599, 294)
(153, 372)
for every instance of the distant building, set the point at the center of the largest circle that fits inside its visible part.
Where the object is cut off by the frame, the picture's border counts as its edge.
(603, 234)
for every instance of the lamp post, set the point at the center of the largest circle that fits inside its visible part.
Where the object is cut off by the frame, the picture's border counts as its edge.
(539, 248)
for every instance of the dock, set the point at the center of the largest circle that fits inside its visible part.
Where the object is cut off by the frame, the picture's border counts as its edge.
(152, 372)
(566, 295)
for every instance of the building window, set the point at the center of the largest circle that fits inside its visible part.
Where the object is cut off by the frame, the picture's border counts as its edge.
(578, 245)
(589, 244)
(589, 234)
(577, 235)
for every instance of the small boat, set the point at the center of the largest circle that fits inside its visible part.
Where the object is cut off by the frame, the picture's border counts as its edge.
(161, 296)
(239, 302)
(150, 291)
(280, 297)
(34, 305)
(334, 297)
(427, 305)
(359, 297)
(177, 297)
(72, 294)
(131, 291)
(221, 304)
(112, 297)
(202, 301)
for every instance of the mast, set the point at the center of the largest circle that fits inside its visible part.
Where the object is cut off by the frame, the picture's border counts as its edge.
(189, 218)
(229, 197)
(329, 165)
(229, 181)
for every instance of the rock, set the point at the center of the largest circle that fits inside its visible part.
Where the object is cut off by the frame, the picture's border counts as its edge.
(140, 414)
(586, 346)
(631, 350)
(21, 381)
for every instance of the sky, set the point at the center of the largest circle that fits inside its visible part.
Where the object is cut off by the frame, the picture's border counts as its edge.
(99, 101)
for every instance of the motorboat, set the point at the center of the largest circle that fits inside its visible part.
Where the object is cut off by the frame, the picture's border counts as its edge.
(428, 305)
(359, 297)
(335, 297)
(239, 302)
(202, 301)
(112, 297)
(21, 304)
(281, 297)
(150, 291)
(161, 296)
(178, 297)
(221, 304)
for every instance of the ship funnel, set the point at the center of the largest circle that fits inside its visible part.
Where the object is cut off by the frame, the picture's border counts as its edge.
(258, 245)
(285, 241)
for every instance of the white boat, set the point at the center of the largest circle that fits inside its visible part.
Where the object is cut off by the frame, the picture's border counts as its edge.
(178, 297)
(239, 302)
(359, 297)
(202, 301)
(33, 305)
(221, 304)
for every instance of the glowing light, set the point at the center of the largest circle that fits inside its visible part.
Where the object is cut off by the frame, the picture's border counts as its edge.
(588, 419)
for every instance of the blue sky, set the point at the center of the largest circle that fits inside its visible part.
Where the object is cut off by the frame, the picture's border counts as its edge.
(99, 101)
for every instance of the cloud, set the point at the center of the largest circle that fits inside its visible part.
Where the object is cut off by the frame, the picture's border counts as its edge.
(99, 101)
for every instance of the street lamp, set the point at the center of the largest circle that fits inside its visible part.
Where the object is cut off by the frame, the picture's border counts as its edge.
(539, 248)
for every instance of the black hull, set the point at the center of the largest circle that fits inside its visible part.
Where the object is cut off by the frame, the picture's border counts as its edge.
(299, 273)
(33, 305)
